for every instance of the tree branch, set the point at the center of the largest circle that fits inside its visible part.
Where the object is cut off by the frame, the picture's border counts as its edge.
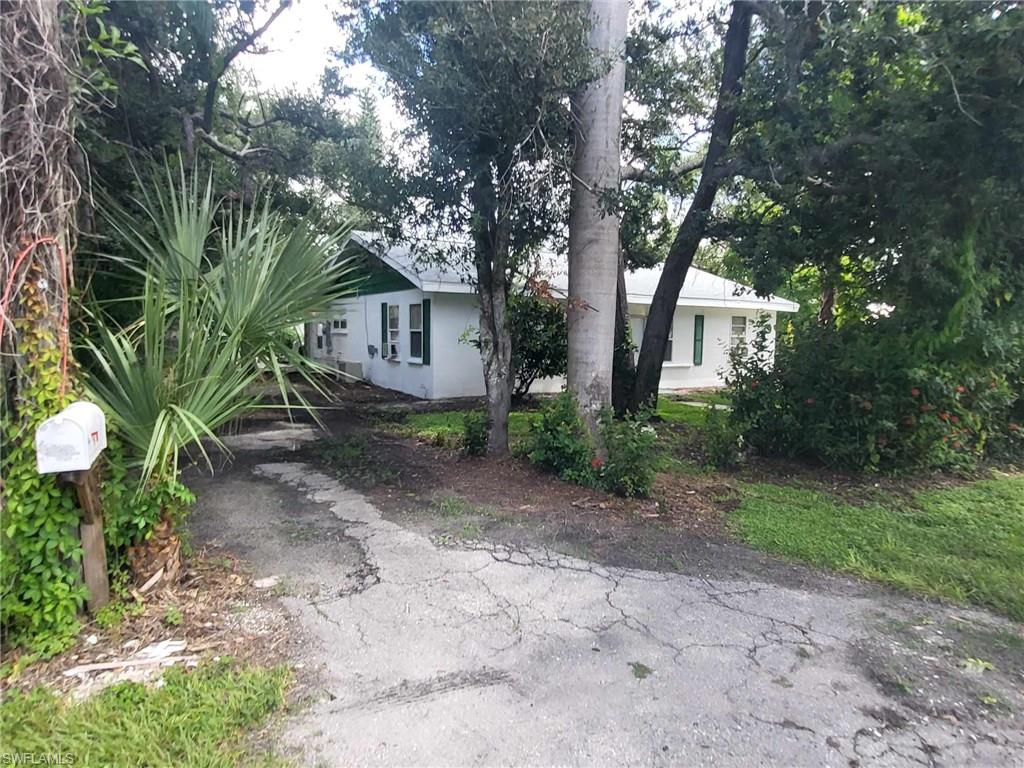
(674, 173)
(238, 155)
(210, 97)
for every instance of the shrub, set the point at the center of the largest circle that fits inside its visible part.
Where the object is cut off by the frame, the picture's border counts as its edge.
(128, 516)
(559, 441)
(629, 468)
(864, 397)
(540, 341)
(474, 433)
(723, 440)
(228, 296)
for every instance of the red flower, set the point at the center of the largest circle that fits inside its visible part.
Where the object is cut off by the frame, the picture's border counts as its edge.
(596, 463)
(926, 407)
(915, 392)
(754, 383)
(957, 443)
(882, 441)
(961, 388)
(955, 419)
(809, 401)
(943, 415)
(1014, 427)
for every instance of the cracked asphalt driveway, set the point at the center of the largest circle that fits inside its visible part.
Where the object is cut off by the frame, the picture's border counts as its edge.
(480, 654)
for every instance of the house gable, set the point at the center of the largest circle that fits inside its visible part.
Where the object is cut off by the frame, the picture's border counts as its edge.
(376, 276)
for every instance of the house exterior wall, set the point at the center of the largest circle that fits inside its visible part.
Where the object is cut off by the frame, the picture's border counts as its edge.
(455, 369)
(458, 369)
(680, 372)
(349, 349)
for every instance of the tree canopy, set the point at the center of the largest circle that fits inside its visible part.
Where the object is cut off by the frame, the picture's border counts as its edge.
(486, 86)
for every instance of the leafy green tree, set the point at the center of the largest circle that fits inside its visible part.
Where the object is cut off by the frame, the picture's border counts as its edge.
(693, 227)
(486, 86)
(539, 340)
(873, 175)
(182, 93)
(884, 173)
(672, 76)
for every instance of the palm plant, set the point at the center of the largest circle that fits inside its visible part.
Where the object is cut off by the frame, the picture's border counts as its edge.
(218, 302)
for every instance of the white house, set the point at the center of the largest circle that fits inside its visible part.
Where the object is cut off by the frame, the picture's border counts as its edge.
(408, 327)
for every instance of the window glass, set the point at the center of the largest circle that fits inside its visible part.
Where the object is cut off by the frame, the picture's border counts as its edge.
(393, 330)
(416, 331)
(738, 334)
(668, 344)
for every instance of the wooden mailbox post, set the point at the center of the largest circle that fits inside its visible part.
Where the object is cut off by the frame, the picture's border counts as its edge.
(68, 445)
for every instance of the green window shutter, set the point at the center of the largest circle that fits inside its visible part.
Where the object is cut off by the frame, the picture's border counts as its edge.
(698, 339)
(426, 331)
(383, 329)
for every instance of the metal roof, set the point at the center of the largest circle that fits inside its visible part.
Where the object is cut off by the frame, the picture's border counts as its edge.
(700, 288)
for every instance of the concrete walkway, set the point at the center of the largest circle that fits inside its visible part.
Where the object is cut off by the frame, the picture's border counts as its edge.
(480, 655)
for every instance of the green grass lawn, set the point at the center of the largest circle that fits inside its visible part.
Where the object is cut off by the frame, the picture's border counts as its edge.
(719, 397)
(197, 718)
(676, 412)
(445, 427)
(964, 543)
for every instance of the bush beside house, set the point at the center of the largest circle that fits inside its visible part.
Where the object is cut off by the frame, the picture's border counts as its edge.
(866, 398)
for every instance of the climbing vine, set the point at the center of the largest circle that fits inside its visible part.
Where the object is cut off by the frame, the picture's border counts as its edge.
(40, 551)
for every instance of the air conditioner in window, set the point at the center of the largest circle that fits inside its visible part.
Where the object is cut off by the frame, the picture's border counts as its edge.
(393, 351)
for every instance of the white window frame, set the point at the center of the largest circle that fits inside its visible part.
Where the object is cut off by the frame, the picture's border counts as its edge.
(413, 331)
(638, 337)
(394, 331)
(339, 325)
(671, 337)
(735, 339)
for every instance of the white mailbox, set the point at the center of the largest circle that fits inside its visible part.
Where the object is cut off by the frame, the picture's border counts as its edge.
(71, 440)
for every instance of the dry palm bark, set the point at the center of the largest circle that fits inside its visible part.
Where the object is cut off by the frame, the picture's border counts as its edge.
(38, 191)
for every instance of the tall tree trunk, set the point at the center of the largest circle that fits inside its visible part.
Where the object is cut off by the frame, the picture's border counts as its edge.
(593, 221)
(38, 189)
(691, 231)
(623, 365)
(491, 240)
(826, 313)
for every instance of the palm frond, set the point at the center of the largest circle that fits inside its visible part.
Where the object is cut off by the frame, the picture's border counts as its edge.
(215, 307)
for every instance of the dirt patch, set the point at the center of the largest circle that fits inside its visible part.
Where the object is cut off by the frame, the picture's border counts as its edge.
(508, 501)
(957, 665)
(214, 610)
